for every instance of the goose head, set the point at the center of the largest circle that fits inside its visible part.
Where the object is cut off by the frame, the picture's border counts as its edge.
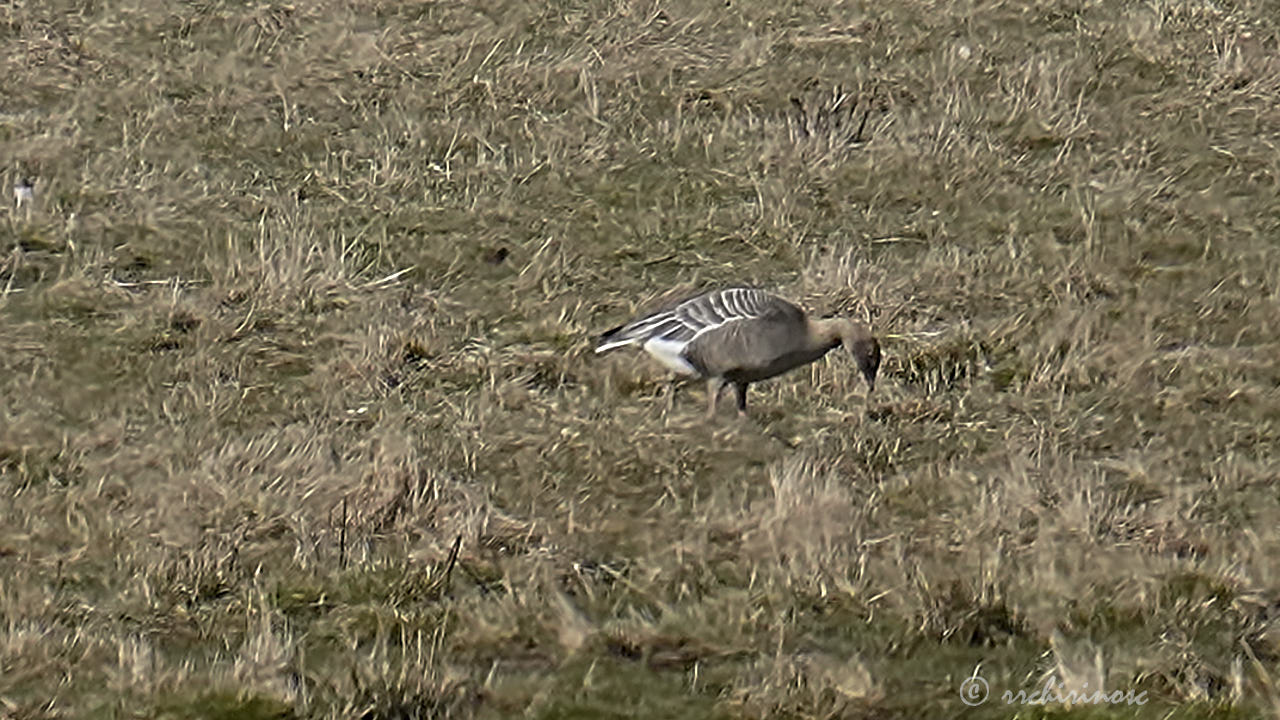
(857, 340)
(866, 353)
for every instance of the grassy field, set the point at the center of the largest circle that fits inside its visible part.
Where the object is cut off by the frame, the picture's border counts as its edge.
(299, 415)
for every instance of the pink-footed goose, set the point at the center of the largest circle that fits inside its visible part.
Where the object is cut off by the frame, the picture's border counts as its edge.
(738, 336)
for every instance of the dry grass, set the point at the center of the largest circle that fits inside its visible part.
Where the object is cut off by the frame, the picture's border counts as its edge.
(299, 418)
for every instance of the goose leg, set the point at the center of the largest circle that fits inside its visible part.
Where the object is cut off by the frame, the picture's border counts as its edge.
(714, 386)
(741, 389)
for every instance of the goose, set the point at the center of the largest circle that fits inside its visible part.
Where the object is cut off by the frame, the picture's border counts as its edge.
(740, 335)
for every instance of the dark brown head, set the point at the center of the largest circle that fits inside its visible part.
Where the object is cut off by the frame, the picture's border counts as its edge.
(866, 352)
(865, 349)
(856, 339)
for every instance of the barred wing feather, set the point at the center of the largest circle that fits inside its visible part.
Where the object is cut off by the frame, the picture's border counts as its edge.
(679, 325)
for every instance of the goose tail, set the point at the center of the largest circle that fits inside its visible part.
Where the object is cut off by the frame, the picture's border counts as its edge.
(657, 325)
(614, 338)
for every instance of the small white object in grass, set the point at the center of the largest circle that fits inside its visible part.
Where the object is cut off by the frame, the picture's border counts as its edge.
(23, 192)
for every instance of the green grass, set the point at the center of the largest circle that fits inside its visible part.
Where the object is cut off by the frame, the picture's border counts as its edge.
(309, 291)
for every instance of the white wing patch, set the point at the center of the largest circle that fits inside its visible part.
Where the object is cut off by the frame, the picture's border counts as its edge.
(671, 354)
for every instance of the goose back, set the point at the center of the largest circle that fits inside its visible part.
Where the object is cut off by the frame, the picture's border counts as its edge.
(758, 348)
(679, 323)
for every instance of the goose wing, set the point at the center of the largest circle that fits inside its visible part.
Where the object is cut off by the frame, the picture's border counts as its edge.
(680, 324)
